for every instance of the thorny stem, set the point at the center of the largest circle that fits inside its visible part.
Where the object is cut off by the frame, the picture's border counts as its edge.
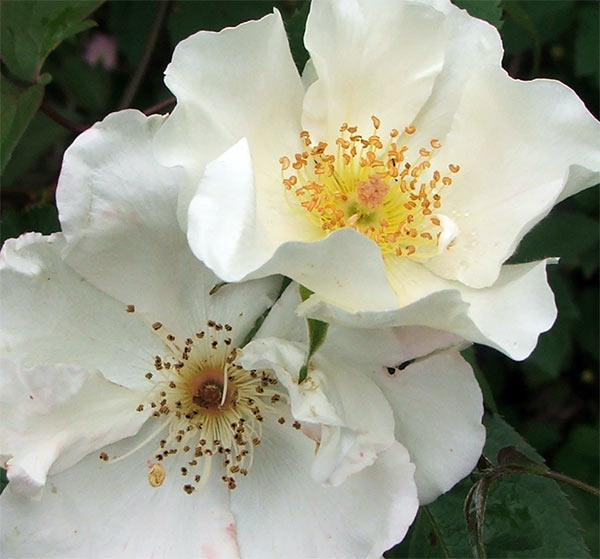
(138, 75)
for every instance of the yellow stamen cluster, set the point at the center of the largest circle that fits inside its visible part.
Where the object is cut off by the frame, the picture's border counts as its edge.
(376, 188)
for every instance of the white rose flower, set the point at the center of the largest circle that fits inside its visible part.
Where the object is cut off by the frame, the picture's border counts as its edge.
(132, 428)
(393, 179)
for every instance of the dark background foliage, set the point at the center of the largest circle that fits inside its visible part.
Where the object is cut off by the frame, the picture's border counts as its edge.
(51, 91)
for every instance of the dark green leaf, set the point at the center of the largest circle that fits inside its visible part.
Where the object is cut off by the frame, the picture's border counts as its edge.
(130, 22)
(511, 458)
(520, 16)
(587, 41)
(294, 26)
(42, 218)
(488, 396)
(587, 325)
(526, 515)
(540, 434)
(440, 529)
(41, 135)
(87, 87)
(31, 30)
(285, 282)
(3, 479)
(555, 347)
(528, 23)
(565, 234)
(187, 18)
(317, 332)
(489, 10)
(17, 107)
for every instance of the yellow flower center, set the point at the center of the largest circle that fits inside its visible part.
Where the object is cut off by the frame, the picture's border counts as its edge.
(375, 188)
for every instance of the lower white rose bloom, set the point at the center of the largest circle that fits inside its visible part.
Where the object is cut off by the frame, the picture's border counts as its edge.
(394, 178)
(134, 426)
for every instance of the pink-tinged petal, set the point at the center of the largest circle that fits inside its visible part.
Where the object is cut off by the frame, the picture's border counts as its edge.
(98, 509)
(54, 415)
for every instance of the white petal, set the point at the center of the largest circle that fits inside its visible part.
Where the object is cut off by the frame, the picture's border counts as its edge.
(50, 314)
(519, 145)
(118, 207)
(470, 44)
(54, 415)
(353, 416)
(438, 408)
(97, 509)
(366, 349)
(366, 515)
(508, 316)
(241, 82)
(373, 57)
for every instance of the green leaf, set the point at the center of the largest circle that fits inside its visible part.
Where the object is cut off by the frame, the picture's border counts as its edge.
(587, 325)
(488, 396)
(86, 87)
(317, 333)
(3, 479)
(566, 234)
(533, 23)
(511, 458)
(17, 107)
(42, 218)
(285, 281)
(587, 40)
(519, 14)
(527, 516)
(294, 26)
(555, 347)
(130, 22)
(187, 18)
(31, 30)
(41, 135)
(440, 529)
(489, 10)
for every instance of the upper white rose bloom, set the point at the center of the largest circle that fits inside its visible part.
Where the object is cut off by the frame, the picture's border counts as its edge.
(393, 179)
(131, 427)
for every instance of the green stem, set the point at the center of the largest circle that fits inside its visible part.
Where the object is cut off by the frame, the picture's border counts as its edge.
(572, 481)
(59, 119)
